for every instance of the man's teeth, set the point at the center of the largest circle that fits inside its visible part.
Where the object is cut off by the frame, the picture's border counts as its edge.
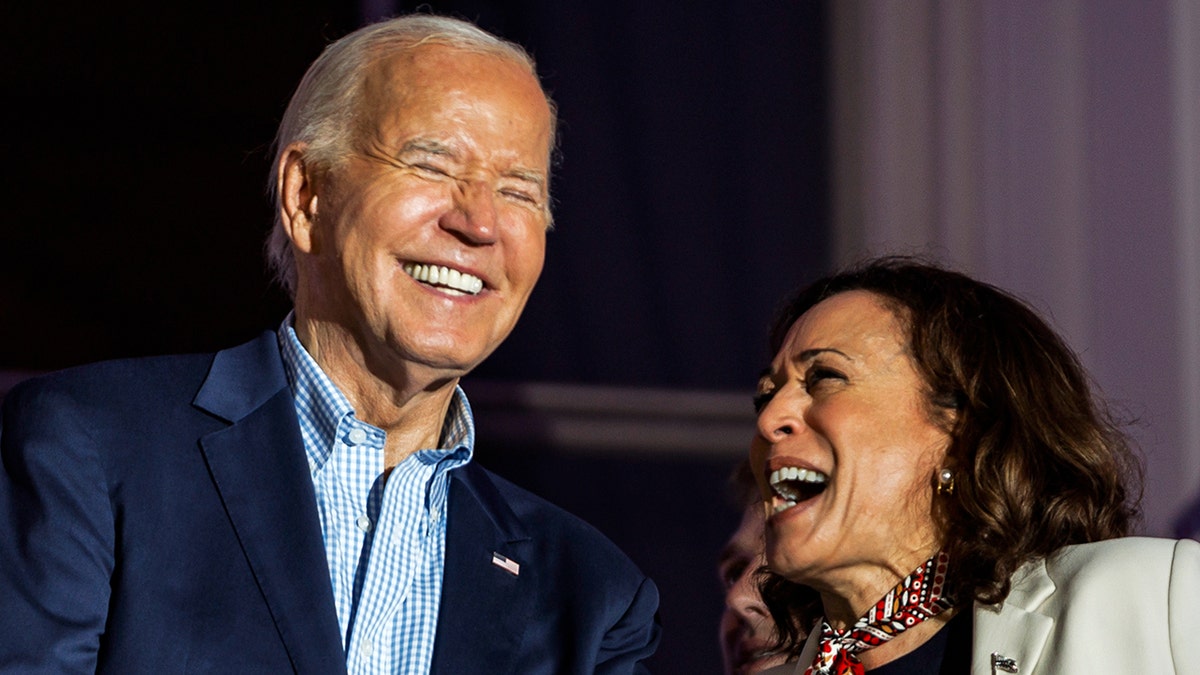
(794, 484)
(436, 275)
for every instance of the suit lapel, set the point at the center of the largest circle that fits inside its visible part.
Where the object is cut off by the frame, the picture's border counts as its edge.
(484, 608)
(259, 468)
(1014, 629)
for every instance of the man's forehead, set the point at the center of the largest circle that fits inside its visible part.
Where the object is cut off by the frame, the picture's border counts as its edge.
(426, 65)
(456, 80)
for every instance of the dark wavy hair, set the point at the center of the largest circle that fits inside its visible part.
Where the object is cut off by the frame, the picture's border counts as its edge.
(1039, 462)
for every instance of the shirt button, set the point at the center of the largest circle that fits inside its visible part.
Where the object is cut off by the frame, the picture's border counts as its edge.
(357, 436)
(363, 523)
(367, 648)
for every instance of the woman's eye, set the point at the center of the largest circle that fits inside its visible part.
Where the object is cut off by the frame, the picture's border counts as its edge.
(761, 401)
(763, 394)
(818, 375)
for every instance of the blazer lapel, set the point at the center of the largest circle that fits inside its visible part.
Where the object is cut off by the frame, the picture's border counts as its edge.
(485, 607)
(259, 468)
(1014, 630)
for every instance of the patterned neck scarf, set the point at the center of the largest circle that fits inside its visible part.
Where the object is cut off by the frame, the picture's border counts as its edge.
(912, 601)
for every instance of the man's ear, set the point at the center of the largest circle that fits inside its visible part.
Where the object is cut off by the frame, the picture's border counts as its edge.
(297, 196)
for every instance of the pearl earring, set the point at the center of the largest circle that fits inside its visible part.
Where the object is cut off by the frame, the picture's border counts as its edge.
(945, 482)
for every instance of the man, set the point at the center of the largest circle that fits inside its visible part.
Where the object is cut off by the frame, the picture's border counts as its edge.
(306, 501)
(747, 632)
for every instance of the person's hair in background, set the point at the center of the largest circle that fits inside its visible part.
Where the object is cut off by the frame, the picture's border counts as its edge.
(1036, 461)
(746, 632)
(324, 113)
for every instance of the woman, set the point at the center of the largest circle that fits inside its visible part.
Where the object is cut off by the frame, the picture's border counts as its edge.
(942, 488)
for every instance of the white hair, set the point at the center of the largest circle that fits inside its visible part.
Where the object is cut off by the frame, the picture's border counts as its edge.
(325, 107)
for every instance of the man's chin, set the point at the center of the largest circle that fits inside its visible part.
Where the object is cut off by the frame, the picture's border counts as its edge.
(452, 355)
(452, 349)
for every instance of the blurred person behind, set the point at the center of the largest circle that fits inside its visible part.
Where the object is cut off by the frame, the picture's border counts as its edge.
(747, 632)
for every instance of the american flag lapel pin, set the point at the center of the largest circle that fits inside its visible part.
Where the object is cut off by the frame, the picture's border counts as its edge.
(510, 566)
(1001, 663)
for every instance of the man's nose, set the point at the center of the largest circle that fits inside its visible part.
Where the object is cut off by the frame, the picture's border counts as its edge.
(473, 216)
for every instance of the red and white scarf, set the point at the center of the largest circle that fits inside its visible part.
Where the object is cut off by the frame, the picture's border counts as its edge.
(915, 599)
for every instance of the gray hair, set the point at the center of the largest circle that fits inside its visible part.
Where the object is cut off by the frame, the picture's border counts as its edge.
(324, 109)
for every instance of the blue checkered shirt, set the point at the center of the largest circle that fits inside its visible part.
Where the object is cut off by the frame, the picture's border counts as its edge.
(384, 532)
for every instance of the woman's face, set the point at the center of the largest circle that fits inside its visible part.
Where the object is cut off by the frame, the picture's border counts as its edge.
(846, 451)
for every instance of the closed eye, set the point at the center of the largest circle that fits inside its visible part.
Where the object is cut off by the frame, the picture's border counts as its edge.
(818, 375)
(430, 169)
(764, 391)
(520, 196)
(523, 185)
(761, 400)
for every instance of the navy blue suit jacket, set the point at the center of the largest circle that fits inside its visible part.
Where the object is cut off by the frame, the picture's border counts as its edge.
(157, 516)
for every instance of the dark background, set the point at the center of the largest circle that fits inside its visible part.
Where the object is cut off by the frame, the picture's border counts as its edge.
(691, 197)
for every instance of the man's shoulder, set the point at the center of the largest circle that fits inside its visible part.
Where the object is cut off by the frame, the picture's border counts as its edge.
(140, 382)
(107, 384)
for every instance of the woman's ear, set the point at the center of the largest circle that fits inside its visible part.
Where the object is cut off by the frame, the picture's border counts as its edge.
(297, 196)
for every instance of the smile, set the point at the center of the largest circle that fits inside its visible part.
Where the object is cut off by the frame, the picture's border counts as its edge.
(794, 485)
(444, 278)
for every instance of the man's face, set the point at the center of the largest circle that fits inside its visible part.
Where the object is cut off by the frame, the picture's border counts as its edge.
(747, 631)
(428, 238)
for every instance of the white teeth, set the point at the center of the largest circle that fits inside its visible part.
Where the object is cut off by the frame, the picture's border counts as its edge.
(784, 482)
(797, 474)
(445, 277)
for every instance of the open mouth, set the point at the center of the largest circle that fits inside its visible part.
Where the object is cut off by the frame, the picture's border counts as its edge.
(444, 278)
(793, 485)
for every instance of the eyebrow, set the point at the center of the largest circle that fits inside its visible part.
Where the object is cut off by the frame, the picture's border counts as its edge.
(810, 354)
(432, 147)
(429, 146)
(529, 176)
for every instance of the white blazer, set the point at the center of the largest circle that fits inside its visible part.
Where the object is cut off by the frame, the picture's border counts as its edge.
(1118, 607)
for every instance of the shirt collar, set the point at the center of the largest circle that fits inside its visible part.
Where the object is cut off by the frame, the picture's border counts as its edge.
(457, 441)
(319, 400)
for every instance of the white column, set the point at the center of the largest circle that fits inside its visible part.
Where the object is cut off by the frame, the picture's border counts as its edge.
(1185, 83)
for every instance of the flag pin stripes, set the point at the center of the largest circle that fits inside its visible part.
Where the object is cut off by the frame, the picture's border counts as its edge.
(510, 566)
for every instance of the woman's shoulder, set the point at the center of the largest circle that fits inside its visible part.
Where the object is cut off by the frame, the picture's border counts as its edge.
(1117, 559)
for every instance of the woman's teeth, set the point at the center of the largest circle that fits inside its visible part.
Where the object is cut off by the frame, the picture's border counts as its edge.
(445, 277)
(794, 485)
